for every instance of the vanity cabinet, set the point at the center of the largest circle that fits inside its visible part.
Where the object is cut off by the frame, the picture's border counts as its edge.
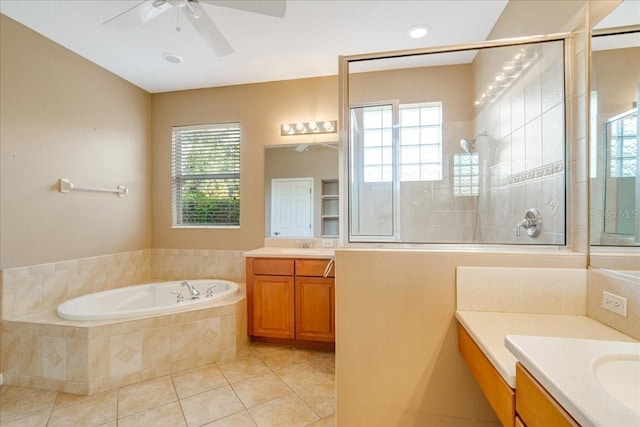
(501, 397)
(289, 300)
(272, 294)
(535, 406)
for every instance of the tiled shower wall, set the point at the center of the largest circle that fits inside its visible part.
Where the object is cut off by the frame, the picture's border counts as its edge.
(522, 158)
(42, 287)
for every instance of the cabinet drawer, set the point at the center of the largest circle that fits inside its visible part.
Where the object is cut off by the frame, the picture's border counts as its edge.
(273, 267)
(501, 397)
(535, 405)
(313, 267)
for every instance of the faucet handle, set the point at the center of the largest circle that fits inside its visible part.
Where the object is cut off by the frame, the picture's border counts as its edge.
(180, 297)
(531, 223)
(210, 291)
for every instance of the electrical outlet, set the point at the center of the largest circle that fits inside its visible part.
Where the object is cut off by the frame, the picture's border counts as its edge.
(327, 243)
(615, 303)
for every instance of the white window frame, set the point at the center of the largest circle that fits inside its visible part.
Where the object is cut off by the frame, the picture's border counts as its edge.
(214, 175)
(406, 152)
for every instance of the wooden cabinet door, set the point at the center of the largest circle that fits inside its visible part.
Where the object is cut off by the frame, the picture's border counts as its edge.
(315, 309)
(273, 303)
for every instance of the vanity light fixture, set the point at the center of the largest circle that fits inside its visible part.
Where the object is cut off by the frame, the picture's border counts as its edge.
(328, 126)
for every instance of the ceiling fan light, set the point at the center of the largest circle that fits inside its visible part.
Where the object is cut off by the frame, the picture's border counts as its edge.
(172, 57)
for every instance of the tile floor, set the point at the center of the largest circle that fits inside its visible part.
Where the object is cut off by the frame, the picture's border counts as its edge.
(265, 386)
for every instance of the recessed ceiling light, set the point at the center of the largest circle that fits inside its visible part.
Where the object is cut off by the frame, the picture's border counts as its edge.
(172, 57)
(418, 31)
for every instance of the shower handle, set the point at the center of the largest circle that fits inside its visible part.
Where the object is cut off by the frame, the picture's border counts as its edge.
(531, 223)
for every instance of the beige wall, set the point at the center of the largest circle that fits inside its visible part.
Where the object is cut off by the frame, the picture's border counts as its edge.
(397, 361)
(260, 109)
(63, 116)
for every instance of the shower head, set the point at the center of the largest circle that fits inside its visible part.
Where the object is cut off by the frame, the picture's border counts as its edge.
(470, 146)
(466, 146)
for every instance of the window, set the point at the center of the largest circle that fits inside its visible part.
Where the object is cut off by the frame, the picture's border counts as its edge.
(466, 174)
(206, 175)
(420, 142)
(420, 147)
(624, 145)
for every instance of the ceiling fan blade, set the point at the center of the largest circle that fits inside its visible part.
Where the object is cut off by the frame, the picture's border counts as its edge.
(137, 15)
(275, 8)
(208, 30)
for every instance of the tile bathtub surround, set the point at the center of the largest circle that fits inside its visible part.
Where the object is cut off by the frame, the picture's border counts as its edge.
(522, 290)
(177, 264)
(265, 386)
(93, 357)
(40, 288)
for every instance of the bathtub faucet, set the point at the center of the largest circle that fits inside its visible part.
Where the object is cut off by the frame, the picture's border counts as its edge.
(193, 291)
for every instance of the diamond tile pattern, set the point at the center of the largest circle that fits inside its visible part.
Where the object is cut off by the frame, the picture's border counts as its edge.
(267, 385)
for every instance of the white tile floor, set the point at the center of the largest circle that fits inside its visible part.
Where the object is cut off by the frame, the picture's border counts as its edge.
(265, 386)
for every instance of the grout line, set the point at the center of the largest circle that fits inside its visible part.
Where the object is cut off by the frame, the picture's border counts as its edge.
(175, 390)
(308, 358)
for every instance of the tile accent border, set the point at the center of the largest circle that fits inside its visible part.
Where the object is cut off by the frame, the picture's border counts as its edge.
(531, 175)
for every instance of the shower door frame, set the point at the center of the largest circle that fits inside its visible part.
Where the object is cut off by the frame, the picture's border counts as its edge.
(345, 238)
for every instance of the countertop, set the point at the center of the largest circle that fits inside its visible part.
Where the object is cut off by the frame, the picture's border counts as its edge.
(279, 252)
(562, 366)
(488, 329)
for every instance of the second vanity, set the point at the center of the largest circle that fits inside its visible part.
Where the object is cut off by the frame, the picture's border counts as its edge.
(539, 360)
(291, 296)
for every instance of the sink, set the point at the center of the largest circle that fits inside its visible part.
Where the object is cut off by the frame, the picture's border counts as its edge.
(308, 251)
(619, 374)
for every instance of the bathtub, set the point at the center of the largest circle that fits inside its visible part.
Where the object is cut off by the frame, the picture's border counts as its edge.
(146, 300)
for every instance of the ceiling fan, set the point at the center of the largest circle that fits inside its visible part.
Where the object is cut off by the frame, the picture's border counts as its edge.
(193, 10)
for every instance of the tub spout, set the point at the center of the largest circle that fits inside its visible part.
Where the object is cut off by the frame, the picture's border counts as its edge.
(193, 291)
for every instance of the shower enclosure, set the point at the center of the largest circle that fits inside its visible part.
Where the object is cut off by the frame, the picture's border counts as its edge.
(455, 146)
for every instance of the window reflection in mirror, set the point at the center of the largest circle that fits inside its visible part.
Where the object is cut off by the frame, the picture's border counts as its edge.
(300, 163)
(456, 147)
(615, 154)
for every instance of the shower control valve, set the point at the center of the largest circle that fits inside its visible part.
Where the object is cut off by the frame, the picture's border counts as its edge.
(531, 223)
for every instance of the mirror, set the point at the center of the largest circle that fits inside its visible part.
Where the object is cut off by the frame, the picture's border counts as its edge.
(291, 166)
(614, 168)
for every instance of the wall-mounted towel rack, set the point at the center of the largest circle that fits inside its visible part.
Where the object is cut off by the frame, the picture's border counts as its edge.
(66, 186)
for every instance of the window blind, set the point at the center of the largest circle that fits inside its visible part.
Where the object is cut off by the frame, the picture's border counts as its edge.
(206, 175)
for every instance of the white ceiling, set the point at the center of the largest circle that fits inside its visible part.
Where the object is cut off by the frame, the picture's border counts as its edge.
(626, 14)
(305, 43)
